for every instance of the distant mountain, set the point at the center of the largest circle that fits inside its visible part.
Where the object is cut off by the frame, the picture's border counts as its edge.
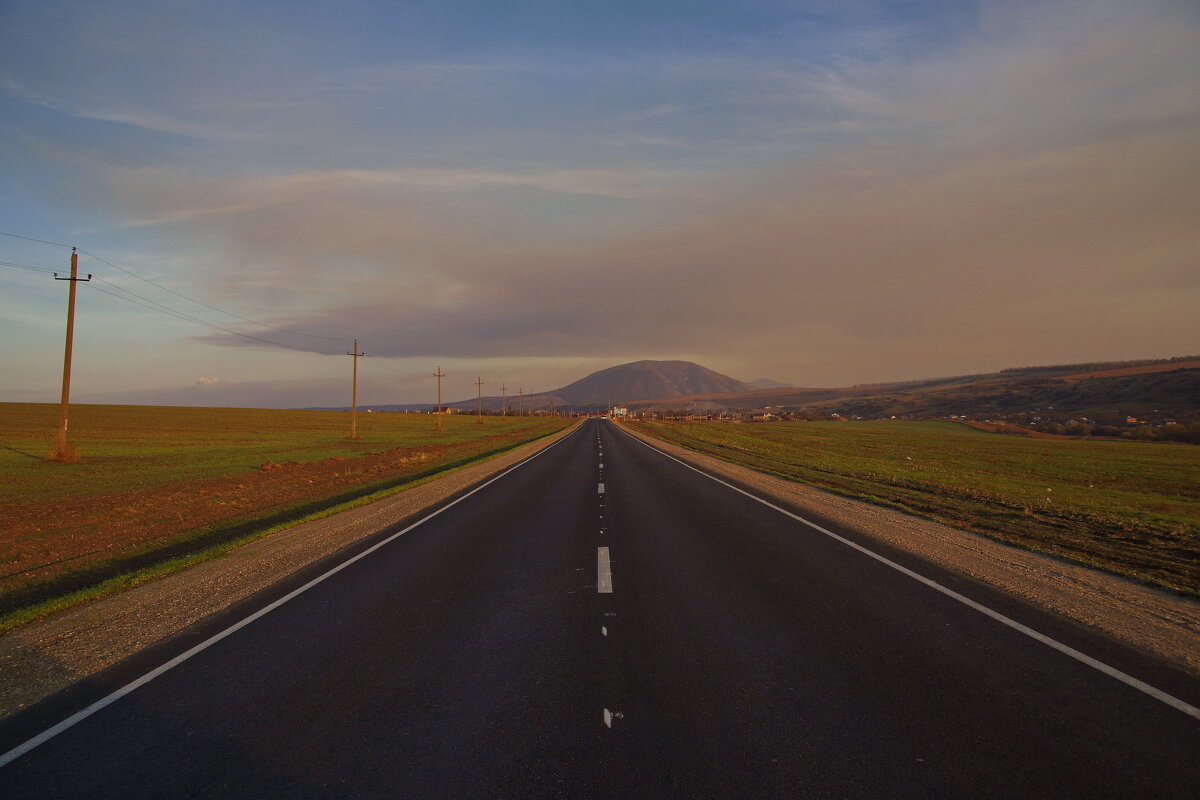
(625, 383)
(767, 383)
(647, 380)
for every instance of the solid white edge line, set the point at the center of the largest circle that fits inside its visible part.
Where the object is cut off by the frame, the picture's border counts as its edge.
(79, 716)
(1100, 666)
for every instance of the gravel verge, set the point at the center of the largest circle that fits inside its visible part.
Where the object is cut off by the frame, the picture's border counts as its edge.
(49, 655)
(1147, 619)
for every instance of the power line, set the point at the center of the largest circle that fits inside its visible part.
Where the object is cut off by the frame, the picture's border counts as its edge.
(166, 289)
(28, 267)
(31, 239)
(206, 305)
(375, 362)
(131, 296)
(155, 306)
(121, 293)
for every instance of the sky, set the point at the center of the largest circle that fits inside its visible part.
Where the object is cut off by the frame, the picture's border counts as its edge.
(526, 191)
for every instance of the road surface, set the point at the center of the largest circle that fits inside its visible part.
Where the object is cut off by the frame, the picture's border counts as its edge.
(604, 621)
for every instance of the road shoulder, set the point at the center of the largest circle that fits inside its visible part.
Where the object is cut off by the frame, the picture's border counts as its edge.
(1146, 619)
(47, 656)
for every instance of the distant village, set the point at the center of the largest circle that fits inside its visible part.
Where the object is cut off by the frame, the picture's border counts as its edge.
(1155, 427)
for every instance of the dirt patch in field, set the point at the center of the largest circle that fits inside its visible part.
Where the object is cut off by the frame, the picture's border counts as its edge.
(1014, 430)
(43, 540)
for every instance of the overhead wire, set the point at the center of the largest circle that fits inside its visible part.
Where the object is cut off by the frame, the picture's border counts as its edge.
(206, 305)
(181, 295)
(162, 308)
(375, 362)
(31, 239)
(146, 302)
(28, 267)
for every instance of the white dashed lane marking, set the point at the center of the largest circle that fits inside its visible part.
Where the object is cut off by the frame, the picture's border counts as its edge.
(603, 571)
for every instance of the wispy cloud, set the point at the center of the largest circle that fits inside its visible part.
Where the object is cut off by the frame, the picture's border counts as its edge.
(857, 195)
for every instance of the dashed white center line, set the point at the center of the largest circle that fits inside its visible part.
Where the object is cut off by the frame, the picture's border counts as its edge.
(600, 488)
(603, 630)
(603, 571)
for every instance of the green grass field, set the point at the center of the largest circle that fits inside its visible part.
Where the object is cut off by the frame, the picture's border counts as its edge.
(138, 447)
(1132, 508)
(156, 489)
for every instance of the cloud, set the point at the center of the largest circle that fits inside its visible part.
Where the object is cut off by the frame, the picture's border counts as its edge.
(1023, 191)
(171, 195)
(1032, 73)
(853, 270)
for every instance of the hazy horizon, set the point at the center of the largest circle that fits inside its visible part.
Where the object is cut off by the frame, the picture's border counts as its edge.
(823, 196)
(292, 394)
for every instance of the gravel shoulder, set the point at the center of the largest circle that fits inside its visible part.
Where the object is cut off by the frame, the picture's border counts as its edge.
(49, 655)
(1144, 618)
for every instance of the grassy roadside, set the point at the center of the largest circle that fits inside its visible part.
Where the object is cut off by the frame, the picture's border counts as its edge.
(1129, 508)
(145, 447)
(333, 484)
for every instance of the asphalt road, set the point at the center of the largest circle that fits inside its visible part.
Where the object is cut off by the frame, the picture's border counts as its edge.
(603, 621)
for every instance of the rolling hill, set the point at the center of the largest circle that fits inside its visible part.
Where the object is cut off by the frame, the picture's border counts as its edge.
(645, 380)
(1165, 388)
(625, 383)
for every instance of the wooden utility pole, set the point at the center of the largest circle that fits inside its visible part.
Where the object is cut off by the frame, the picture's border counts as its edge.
(503, 408)
(520, 402)
(354, 392)
(63, 452)
(479, 399)
(439, 375)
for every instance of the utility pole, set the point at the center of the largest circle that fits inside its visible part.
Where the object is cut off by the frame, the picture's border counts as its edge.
(61, 450)
(479, 399)
(354, 391)
(439, 375)
(503, 408)
(520, 402)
